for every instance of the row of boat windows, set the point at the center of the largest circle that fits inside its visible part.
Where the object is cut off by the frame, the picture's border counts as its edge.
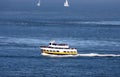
(58, 51)
(70, 51)
(50, 51)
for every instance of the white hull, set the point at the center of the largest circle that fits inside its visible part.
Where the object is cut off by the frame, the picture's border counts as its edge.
(60, 51)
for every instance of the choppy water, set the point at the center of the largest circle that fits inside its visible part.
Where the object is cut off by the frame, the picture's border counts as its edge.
(96, 38)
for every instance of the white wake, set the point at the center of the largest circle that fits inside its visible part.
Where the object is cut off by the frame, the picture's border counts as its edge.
(97, 22)
(99, 55)
(83, 55)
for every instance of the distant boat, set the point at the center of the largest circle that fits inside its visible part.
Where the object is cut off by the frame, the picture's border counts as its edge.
(38, 4)
(66, 4)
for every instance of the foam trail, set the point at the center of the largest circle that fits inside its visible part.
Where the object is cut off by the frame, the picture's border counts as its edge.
(83, 55)
(99, 55)
(97, 22)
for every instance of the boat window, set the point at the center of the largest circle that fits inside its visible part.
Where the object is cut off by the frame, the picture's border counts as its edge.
(54, 44)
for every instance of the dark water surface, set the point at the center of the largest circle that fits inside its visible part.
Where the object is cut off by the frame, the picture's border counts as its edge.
(21, 34)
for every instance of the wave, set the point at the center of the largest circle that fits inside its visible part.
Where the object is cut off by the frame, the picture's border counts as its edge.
(92, 43)
(16, 56)
(59, 22)
(60, 56)
(83, 55)
(35, 42)
(21, 42)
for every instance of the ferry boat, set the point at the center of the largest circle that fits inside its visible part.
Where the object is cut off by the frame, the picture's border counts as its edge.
(58, 49)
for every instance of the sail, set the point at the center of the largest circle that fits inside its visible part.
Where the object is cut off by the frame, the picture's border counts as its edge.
(66, 4)
(38, 4)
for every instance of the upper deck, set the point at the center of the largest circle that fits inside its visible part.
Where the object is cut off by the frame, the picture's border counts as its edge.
(55, 45)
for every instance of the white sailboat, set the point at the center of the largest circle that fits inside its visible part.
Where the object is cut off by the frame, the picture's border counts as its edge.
(66, 4)
(38, 4)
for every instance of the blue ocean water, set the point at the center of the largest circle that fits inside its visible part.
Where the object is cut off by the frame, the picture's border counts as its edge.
(96, 36)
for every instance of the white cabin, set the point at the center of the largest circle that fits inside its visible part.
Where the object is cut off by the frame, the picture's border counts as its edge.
(54, 45)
